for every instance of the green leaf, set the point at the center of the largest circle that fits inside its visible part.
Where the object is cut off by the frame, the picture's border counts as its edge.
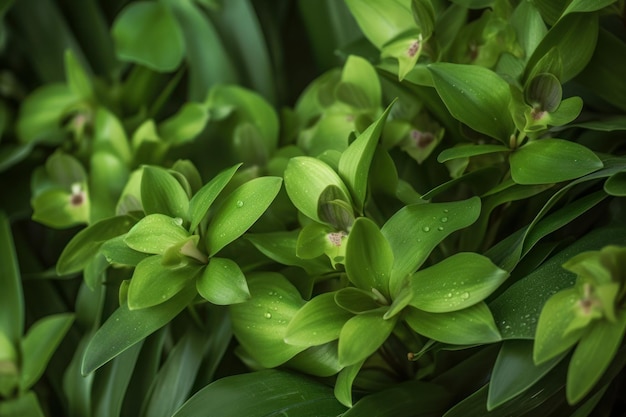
(593, 355)
(514, 372)
(185, 125)
(465, 151)
(362, 335)
(155, 233)
(11, 296)
(615, 185)
(406, 399)
(585, 6)
(424, 15)
(574, 38)
(153, 283)
(26, 405)
(552, 336)
(471, 325)
(161, 193)
(415, 230)
(343, 384)
(124, 328)
(204, 198)
(117, 252)
(457, 282)
(548, 161)
(77, 79)
(306, 179)
(380, 22)
(264, 393)
(86, 243)
(357, 301)
(355, 161)
(529, 27)
(39, 345)
(369, 258)
(53, 208)
(223, 283)
(240, 210)
(476, 96)
(359, 86)
(260, 324)
(319, 321)
(148, 34)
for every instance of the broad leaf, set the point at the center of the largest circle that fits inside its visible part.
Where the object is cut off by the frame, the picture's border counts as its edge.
(185, 125)
(476, 96)
(548, 161)
(357, 300)
(161, 193)
(240, 210)
(380, 22)
(616, 185)
(261, 394)
(362, 335)
(155, 233)
(472, 325)
(359, 86)
(222, 282)
(204, 198)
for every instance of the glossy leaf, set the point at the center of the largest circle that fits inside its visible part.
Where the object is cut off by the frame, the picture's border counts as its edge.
(355, 161)
(359, 86)
(124, 328)
(369, 258)
(260, 324)
(222, 282)
(455, 283)
(204, 198)
(117, 252)
(184, 125)
(615, 185)
(465, 151)
(362, 335)
(318, 321)
(582, 6)
(476, 96)
(514, 372)
(344, 381)
(415, 230)
(240, 210)
(592, 356)
(357, 301)
(471, 325)
(86, 243)
(153, 283)
(11, 296)
(39, 344)
(379, 22)
(529, 26)
(161, 193)
(264, 393)
(148, 34)
(306, 179)
(552, 160)
(155, 233)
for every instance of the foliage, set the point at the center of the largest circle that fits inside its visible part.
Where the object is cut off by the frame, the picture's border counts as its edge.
(228, 208)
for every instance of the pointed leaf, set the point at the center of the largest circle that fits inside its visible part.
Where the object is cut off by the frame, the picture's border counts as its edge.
(355, 161)
(465, 151)
(155, 233)
(359, 86)
(472, 325)
(161, 193)
(77, 78)
(547, 161)
(204, 198)
(223, 283)
(343, 384)
(362, 335)
(240, 210)
(11, 296)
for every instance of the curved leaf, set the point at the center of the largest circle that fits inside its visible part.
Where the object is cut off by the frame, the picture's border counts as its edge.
(223, 283)
(155, 233)
(161, 193)
(362, 335)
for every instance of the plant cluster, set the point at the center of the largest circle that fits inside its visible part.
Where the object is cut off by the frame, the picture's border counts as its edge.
(220, 207)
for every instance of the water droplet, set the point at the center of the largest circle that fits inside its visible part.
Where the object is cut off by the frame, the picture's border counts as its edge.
(267, 315)
(239, 204)
(440, 228)
(178, 221)
(465, 295)
(449, 295)
(444, 219)
(445, 210)
(426, 229)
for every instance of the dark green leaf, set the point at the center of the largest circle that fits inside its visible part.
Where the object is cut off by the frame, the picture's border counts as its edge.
(359, 86)
(240, 210)
(362, 335)
(476, 96)
(529, 26)
(585, 6)
(548, 161)
(148, 34)
(26, 405)
(616, 185)
(464, 151)
(357, 301)
(223, 283)
(262, 394)
(11, 297)
(161, 193)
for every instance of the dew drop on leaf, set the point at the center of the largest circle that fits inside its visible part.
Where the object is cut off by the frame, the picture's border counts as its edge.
(267, 315)
(239, 204)
(465, 295)
(426, 229)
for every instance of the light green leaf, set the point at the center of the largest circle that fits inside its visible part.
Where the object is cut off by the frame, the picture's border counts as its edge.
(54, 208)
(592, 356)
(369, 258)
(240, 210)
(223, 283)
(465, 151)
(117, 252)
(39, 345)
(260, 324)
(264, 393)
(155, 233)
(568, 110)
(355, 161)
(471, 325)
(547, 161)
(153, 283)
(319, 321)
(110, 136)
(357, 301)
(476, 96)
(124, 328)
(415, 230)
(147, 33)
(362, 335)
(185, 125)
(161, 193)
(86, 243)
(343, 384)
(77, 79)
(204, 198)
(11, 296)
(586, 6)
(382, 22)
(359, 86)
(26, 405)
(457, 282)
